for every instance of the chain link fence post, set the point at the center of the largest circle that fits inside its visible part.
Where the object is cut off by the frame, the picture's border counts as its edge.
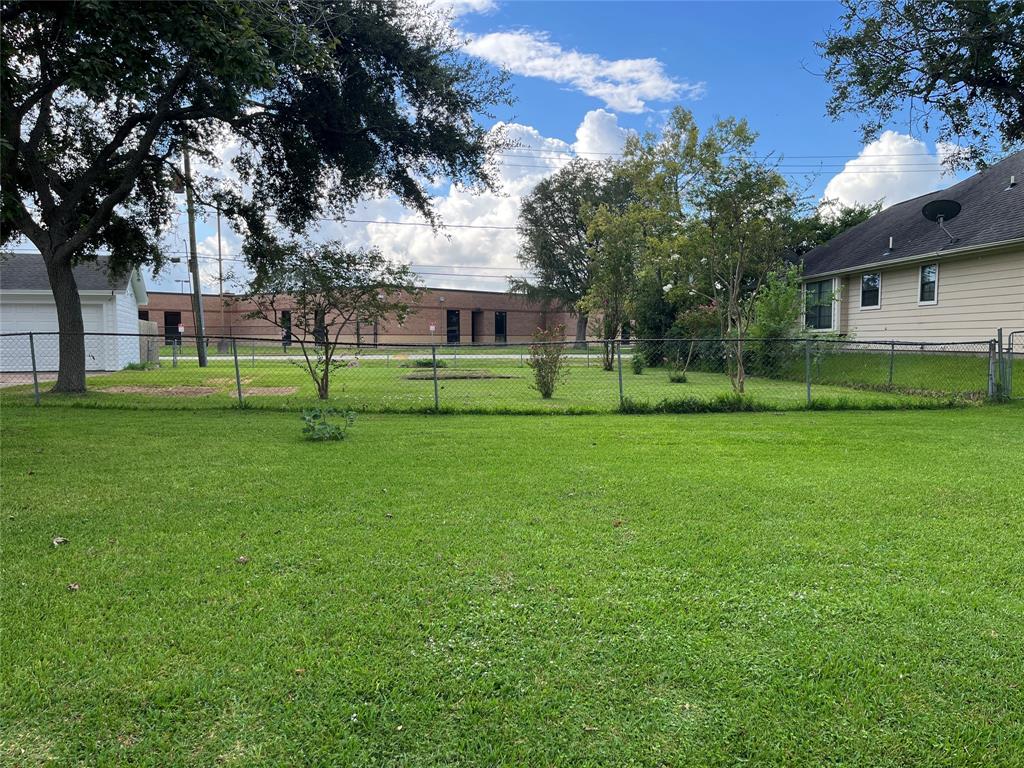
(992, 369)
(1001, 390)
(892, 360)
(437, 393)
(238, 373)
(622, 398)
(35, 373)
(807, 369)
(174, 353)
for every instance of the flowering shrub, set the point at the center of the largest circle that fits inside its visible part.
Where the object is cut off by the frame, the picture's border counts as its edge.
(547, 359)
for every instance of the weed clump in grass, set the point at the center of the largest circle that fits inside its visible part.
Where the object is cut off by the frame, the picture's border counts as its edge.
(318, 429)
(638, 362)
(723, 403)
(677, 376)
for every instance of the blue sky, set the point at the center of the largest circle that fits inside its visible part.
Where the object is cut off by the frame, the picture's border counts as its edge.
(586, 73)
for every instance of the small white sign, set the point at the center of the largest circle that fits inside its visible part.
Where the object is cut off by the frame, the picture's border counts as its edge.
(433, 328)
(181, 328)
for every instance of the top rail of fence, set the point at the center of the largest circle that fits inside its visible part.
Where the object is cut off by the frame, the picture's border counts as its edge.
(295, 339)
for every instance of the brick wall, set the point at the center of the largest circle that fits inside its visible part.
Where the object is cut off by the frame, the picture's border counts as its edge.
(523, 317)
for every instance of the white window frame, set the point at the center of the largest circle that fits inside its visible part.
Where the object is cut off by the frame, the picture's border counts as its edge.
(835, 307)
(879, 304)
(920, 271)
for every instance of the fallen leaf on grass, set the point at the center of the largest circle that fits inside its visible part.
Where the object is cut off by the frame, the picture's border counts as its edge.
(58, 540)
(73, 587)
(617, 523)
(242, 560)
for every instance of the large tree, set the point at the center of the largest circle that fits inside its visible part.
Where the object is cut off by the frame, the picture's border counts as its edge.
(553, 234)
(956, 65)
(327, 101)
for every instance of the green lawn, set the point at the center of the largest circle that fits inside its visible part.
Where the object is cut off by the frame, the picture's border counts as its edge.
(382, 383)
(785, 589)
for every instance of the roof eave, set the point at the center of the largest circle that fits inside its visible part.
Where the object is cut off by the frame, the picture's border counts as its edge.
(930, 256)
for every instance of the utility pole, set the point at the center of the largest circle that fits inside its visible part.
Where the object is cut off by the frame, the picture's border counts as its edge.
(222, 344)
(193, 265)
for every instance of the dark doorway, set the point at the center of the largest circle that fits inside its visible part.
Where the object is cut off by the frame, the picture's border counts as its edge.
(500, 328)
(452, 319)
(171, 322)
(478, 325)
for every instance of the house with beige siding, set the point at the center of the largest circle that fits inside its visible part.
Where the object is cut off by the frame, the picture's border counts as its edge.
(905, 277)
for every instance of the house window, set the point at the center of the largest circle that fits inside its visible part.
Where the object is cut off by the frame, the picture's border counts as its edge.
(143, 314)
(871, 290)
(500, 327)
(819, 305)
(928, 290)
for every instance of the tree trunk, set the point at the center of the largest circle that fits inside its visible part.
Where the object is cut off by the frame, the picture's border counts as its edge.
(71, 365)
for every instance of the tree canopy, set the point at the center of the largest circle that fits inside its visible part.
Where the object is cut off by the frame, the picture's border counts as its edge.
(954, 65)
(553, 232)
(327, 102)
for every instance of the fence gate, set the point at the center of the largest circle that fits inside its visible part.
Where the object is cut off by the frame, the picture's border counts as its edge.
(1013, 355)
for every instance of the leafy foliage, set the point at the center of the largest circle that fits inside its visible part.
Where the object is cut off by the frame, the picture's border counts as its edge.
(956, 64)
(326, 102)
(637, 362)
(547, 359)
(318, 429)
(554, 240)
(328, 289)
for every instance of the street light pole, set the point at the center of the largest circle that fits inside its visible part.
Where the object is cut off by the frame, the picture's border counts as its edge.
(193, 264)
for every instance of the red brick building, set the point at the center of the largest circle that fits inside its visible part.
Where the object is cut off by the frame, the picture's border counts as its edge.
(442, 316)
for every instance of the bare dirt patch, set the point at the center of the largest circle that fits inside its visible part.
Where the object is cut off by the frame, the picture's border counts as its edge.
(224, 382)
(161, 391)
(449, 374)
(270, 391)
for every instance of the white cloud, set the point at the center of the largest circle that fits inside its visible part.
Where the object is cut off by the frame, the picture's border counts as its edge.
(600, 135)
(462, 7)
(481, 234)
(893, 168)
(625, 85)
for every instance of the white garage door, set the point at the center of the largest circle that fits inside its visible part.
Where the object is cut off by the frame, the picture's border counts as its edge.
(41, 318)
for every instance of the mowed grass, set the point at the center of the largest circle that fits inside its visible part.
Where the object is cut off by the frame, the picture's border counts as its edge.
(391, 383)
(786, 589)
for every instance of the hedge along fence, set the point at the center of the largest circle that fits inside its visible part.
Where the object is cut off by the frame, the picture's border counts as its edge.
(645, 375)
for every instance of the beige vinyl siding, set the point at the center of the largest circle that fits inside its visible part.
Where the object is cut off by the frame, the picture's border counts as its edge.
(976, 295)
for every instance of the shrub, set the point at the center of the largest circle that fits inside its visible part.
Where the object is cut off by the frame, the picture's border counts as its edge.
(547, 359)
(677, 377)
(638, 362)
(319, 429)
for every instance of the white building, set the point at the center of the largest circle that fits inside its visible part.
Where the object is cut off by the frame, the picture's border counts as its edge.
(110, 305)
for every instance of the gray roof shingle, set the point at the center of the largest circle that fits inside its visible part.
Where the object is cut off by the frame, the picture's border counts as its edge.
(26, 271)
(991, 213)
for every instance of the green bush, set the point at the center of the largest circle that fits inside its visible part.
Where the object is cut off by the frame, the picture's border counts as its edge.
(677, 377)
(547, 359)
(319, 429)
(638, 362)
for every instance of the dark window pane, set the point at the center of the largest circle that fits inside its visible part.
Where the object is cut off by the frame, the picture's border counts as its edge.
(929, 277)
(819, 305)
(869, 290)
(500, 327)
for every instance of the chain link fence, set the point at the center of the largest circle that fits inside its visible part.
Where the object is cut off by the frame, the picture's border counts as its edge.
(638, 376)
